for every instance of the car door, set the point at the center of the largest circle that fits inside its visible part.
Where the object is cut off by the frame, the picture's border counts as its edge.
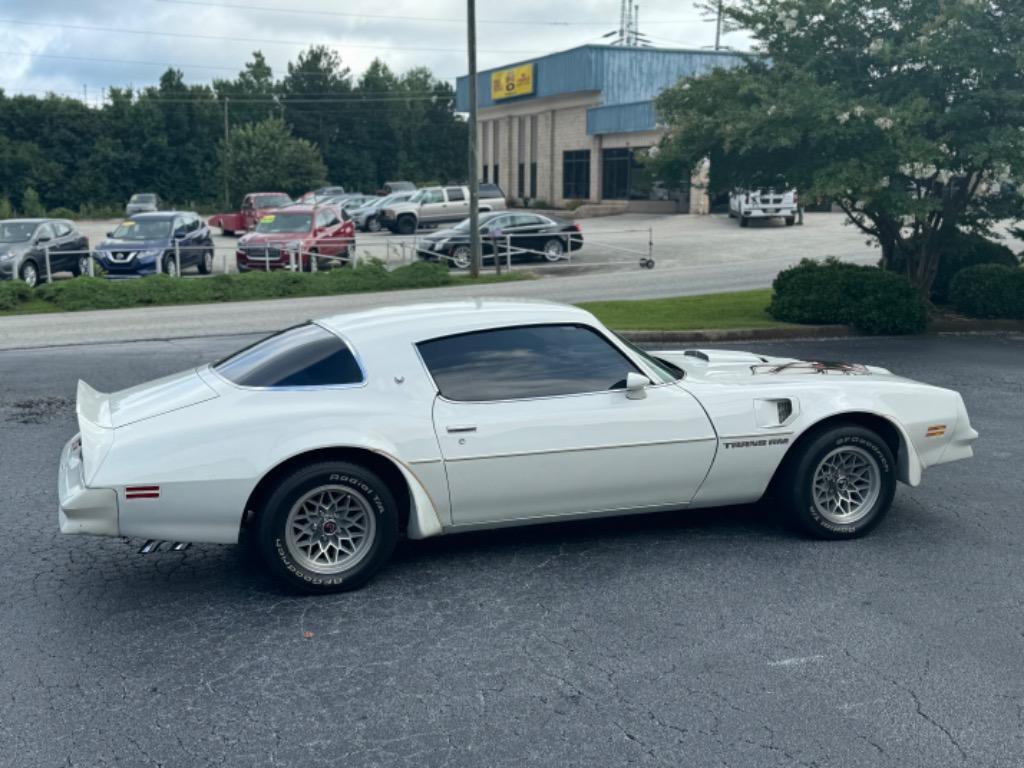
(45, 242)
(525, 229)
(61, 247)
(533, 421)
(432, 207)
(457, 205)
(329, 241)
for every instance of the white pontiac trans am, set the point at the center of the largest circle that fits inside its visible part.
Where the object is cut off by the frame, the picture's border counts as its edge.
(323, 443)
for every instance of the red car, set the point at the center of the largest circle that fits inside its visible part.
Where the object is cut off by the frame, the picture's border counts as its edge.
(309, 232)
(255, 206)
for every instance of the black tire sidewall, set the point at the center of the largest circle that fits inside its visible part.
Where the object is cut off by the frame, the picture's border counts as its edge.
(801, 478)
(270, 533)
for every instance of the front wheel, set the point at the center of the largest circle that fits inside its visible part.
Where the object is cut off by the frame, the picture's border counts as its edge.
(170, 266)
(328, 527)
(407, 225)
(461, 256)
(841, 484)
(744, 221)
(790, 221)
(29, 274)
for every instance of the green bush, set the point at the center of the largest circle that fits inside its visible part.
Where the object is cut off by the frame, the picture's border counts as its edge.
(62, 213)
(31, 205)
(989, 290)
(871, 300)
(959, 250)
(13, 293)
(6, 210)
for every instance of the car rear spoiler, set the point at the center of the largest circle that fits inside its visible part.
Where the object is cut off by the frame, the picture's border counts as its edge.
(93, 407)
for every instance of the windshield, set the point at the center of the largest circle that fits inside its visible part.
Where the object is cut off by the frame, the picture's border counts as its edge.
(142, 199)
(143, 229)
(418, 197)
(285, 222)
(271, 201)
(463, 226)
(15, 231)
(666, 371)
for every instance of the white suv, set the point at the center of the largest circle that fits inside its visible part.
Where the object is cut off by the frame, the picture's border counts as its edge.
(763, 204)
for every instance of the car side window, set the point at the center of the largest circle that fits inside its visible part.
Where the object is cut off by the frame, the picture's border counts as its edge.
(44, 232)
(525, 362)
(330, 218)
(303, 356)
(455, 194)
(433, 196)
(192, 223)
(60, 228)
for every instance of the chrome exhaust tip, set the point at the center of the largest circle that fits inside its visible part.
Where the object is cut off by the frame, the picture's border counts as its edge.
(152, 545)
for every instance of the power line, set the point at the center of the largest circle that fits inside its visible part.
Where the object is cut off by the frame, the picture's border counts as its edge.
(260, 40)
(441, 19)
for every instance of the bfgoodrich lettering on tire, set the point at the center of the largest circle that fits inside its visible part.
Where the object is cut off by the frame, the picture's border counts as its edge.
(328, 527)
(841, 482)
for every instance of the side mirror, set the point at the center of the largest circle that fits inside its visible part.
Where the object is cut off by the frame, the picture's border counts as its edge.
(179, 234)
(636, 384)
(110, 234)
(43, 239)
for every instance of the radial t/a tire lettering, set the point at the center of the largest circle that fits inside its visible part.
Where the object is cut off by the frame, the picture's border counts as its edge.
(840, 483)
(327, 527)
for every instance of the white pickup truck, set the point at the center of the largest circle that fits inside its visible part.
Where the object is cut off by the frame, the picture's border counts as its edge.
(763, 204)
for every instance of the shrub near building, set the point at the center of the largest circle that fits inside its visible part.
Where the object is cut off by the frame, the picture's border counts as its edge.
(831, 292)
(990, 291)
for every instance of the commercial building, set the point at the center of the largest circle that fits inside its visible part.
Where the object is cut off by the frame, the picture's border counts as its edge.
(577, 125)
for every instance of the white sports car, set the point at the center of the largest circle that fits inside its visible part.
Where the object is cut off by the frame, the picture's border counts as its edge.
(323, 443)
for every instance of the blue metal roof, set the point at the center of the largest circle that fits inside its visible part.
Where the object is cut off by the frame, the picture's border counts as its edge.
(624, 76)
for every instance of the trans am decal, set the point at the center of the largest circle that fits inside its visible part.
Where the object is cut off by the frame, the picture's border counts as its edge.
(846, 369)
(762, 442)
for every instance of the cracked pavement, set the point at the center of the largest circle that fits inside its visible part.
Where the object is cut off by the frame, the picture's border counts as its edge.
(710, 638)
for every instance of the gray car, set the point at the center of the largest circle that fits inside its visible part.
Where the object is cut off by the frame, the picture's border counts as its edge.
(367, 216)
(25, 244)
(143, 202)
(431, 206)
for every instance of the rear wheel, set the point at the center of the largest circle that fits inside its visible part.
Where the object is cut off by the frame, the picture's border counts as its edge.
(206, 263)
(373, 224)
(554, 250)
(328, 527)
(841, 483)
(81, 266)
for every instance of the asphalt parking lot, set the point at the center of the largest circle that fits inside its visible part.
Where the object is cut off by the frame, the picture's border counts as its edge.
(688, 639)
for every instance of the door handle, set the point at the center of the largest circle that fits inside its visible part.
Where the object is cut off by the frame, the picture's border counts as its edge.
(464, 428)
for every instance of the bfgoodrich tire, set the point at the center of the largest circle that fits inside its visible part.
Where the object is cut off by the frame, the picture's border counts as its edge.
(840, 484)
(328, 527)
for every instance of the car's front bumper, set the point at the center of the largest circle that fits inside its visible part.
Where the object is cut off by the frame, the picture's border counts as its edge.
(82, 509)
(8, 269)
(768, 212)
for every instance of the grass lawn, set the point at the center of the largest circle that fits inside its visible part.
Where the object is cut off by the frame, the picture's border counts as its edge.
(743, 309)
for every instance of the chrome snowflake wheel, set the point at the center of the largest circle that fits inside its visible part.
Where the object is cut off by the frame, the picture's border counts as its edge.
(847, 483)
(330, 529)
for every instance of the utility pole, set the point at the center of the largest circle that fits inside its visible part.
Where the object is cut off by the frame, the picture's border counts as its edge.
(474, 178)
(227, 158)
(718, 27)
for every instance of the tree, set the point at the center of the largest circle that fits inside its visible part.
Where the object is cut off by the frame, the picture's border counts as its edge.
(908, 115)
(266, 157)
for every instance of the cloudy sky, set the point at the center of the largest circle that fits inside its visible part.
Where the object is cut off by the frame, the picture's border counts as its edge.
(78, 47)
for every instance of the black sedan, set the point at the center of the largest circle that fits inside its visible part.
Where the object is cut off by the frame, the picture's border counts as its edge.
(522, 235)
(25, 244)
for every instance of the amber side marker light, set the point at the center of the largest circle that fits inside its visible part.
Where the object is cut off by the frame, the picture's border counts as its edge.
(936, 431)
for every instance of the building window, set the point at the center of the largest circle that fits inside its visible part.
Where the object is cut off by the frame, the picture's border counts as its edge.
(522, 179)
(496, 181)
(533, 181)
(484, 176)
(576, 175)
(625, 176)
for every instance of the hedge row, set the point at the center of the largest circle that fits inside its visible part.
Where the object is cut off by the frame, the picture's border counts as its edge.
(97, 293)
(989, 290)
(871, 300)
(957, 251)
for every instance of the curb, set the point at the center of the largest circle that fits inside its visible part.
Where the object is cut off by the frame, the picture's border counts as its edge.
(741, 334)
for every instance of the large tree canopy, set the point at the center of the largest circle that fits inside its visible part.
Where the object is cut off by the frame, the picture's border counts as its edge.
(165, 138)
(907, 113)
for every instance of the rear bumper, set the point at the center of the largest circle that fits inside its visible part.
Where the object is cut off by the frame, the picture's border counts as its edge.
(82, 509)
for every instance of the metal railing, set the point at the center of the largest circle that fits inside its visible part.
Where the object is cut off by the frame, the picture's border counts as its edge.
(506, 251)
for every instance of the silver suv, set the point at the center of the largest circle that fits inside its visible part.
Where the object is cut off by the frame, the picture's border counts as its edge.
(438, 205)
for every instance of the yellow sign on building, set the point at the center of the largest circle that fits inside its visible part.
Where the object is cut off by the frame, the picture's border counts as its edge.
(517, 81)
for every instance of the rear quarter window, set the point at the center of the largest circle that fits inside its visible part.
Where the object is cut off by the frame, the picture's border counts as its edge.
(304, 356)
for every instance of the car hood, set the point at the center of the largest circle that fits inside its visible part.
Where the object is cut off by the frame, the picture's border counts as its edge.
(132, 245)
(18, 248)
(736, 367)
(272, 237)
(154, 398)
